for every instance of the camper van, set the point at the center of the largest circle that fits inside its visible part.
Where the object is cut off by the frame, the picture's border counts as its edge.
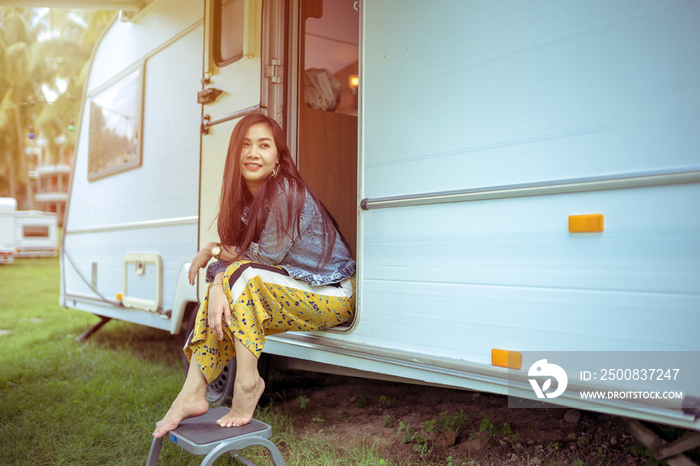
(36, 233)
(8, 209)
(520, 181)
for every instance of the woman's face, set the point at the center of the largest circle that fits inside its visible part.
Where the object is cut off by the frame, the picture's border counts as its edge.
(258, 157)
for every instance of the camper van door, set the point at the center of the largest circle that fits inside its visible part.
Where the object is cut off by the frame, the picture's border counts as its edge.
(230, 90)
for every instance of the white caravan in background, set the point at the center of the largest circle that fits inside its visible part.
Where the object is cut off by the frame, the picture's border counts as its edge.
(36, 233)
(26, 233)
(8, 211)
(521, 180)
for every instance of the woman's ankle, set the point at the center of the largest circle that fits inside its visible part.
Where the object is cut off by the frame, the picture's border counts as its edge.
(248, 382)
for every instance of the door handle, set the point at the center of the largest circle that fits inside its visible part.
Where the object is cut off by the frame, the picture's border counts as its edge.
(208, 95)
(207, 122)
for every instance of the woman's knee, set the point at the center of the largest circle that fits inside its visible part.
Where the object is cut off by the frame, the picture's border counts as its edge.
(234, 266)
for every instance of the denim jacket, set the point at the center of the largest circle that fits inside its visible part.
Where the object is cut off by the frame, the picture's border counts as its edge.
(300, 255)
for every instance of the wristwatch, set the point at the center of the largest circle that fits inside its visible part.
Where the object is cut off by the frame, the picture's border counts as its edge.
(215, 251)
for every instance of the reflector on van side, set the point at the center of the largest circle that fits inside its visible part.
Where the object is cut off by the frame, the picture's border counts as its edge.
(507, 359)
(586, 223)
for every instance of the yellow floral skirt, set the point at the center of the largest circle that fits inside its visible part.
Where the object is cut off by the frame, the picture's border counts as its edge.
(265, 300)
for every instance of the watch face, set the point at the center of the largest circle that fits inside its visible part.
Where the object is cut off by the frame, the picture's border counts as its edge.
(215, 251)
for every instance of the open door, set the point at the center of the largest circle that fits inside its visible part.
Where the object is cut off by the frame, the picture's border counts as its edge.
(242, 74)
(327, 106)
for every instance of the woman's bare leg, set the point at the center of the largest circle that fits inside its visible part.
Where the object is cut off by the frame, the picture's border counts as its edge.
(191, 402)
(247, 388)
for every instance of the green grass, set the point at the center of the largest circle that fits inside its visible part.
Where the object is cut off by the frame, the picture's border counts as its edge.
(71, 403)
(65, 402)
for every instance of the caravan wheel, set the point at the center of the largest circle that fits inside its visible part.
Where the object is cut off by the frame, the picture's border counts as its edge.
(221, 389)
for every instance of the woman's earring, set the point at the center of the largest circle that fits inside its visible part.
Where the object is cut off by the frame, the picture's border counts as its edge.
(276, 170)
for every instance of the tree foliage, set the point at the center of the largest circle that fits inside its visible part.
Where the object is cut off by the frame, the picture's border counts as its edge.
(43, 52)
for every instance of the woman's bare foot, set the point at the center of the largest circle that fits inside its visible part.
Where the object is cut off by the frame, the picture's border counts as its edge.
(245, 399)
(189, 403)
(185, 406)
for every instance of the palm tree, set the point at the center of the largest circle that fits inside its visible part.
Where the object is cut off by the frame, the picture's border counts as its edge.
(22, 68)
(73, 36)
(40, 51)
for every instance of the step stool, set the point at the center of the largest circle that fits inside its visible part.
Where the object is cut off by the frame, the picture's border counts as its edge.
(203, 436)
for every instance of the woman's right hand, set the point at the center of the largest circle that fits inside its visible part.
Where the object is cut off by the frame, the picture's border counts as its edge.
(200, 260)
(219, 312)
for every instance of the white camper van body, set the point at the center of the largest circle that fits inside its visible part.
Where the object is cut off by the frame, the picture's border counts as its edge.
(129, 237)
(8, 209)
(36, 233)
(528, 181)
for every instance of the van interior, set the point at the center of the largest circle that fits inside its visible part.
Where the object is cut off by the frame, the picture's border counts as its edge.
(328, 104)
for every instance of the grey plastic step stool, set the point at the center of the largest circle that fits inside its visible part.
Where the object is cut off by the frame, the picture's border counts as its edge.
(202, 436)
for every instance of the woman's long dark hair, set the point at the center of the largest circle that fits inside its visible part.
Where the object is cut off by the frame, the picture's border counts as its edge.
(235, 195)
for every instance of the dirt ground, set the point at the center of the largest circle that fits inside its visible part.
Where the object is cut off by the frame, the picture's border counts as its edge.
(425, 425)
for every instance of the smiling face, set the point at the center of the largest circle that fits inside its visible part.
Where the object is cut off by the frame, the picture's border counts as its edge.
(258, 157)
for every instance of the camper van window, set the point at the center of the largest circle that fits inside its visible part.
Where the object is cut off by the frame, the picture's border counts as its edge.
(35, 231)
(228, 33)
(115, 127)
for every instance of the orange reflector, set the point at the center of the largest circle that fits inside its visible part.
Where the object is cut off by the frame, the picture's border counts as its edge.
(585, 223)
(119, 297)
(507, 359)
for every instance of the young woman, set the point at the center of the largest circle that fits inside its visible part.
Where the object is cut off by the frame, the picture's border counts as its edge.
(282, 265)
